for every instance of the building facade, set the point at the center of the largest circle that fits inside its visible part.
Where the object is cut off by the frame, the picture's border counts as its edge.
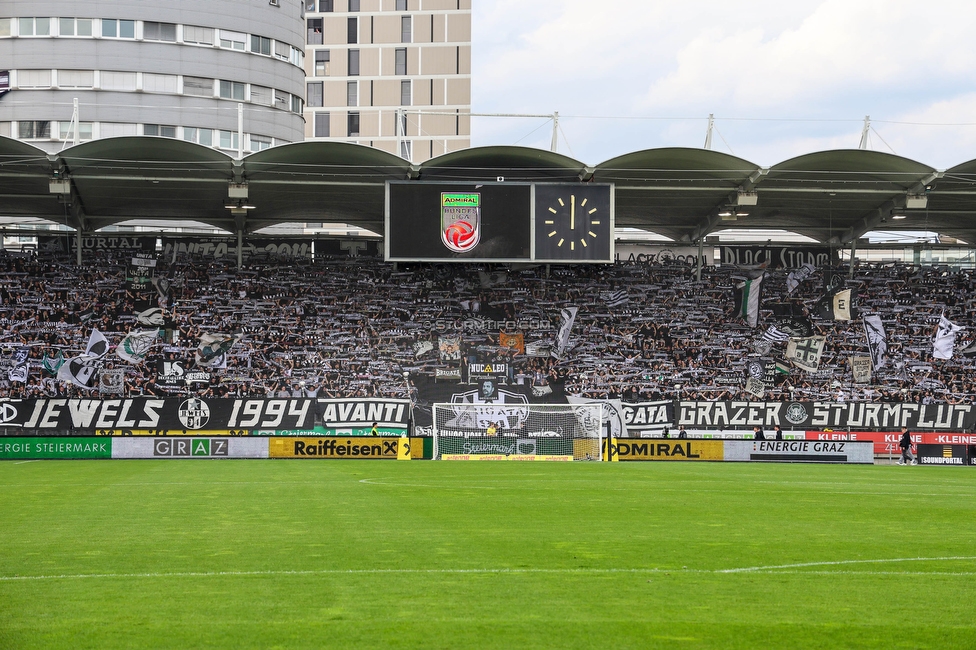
(391, 74)
(177, 69)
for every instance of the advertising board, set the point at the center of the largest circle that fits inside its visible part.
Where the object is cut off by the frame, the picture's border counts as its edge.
(54, 448)
(959, 455)
(635, 450)
(800, 451)
(196, 447)
(343, 448)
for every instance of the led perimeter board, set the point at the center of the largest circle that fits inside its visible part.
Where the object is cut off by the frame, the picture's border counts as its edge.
(499, 222)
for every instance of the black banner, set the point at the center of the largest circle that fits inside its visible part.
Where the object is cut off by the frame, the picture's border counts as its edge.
(960, 455)
(82, 416)
(826, 415)
(69, 243)
(777, 257)
(346, 248)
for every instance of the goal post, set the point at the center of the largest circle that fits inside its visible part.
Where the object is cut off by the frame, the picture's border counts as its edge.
(467, 431)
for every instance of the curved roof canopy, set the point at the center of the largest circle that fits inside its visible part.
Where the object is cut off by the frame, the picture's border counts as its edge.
(682, 193)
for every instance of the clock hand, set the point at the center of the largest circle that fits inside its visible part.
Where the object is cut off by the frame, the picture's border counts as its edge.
(572, 212)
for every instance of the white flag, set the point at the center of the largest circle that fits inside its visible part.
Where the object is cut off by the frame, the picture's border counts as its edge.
(877, 340)
(80, 371)
(213, 349)
(945, 338)
(794, 279)
(97, 345)
(136, 345)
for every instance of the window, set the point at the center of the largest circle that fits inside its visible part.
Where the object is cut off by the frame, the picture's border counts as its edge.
(352, 29)
(232, 90)
(406, 29)
(200, 136)
(321, 126)
(260, 45)
(260, 95)
(314, 36)
(163, 130)
(282, 50)
(281, 100)
(297, 105)
(198, 35)
(35, 26)
(260, 142)
(159, 32)
(321, 63)
(34, 130)
(76, 79)
(67, 133)
(352, 93)
(406, 93)
(353, 63)
(401, 61)
(326, 6)
(232, 40)
(228, 139)
(353, 124)
(4, 27)
(75, 26)
(309, 5)
(34, 79)
(160, 83)
(117, 80)
(199, 86)
(401, 5)
(298, 57)
(313, 94)
(116, 130)
(405, 149)
(112, 28)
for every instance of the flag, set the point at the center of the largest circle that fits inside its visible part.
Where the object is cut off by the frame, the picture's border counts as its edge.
(18, 370)
(420, 348)
(782, 367)
(756, 387)
(449, 348)
(877, 340)
(805, 353)
(835, 306)
(488, 280)
(213, 348)
(162, 286)
(136, 345)
(538, 349)
(616, 298)
(567, 316)
(111, 382)
(861, 369)
(747, 300)
(514, 341)
(775, 335)
(795, 326)
(945, 338)
(97, 345)
(80, 371)
(797, 276)
(755, 368)
(53, 364)
(153, 316)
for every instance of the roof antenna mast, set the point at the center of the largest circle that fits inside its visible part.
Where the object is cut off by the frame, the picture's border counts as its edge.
(864, 132)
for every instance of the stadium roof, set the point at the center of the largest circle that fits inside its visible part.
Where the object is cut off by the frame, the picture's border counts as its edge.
(681, 193)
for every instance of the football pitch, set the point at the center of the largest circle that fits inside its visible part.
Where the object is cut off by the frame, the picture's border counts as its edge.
(369, 554)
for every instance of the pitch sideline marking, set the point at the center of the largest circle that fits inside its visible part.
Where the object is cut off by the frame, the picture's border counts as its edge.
(780, 568)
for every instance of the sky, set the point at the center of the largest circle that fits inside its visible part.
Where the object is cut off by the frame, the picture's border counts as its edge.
(782, 77)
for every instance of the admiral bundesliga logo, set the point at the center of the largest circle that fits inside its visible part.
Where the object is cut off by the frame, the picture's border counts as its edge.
(460, 220)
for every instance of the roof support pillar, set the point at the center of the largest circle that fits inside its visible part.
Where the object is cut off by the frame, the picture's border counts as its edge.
(78, 246)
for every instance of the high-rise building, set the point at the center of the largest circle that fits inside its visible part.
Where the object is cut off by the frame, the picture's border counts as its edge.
(391, 74)
(177, 69)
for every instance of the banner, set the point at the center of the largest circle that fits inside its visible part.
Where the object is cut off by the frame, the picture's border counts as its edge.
(799, 451)
(355, 416)
(805, 353)
(347, 248)
(195, 447)
(86, 415)
(641, 417)
(613, 414)
(57, 448)
(777, 257)
(826, 415)
(514, 341)
(861, 369)
(567, 316)
(111, 382)
(886, 442)
(795, 278)
(958, 455)
(498, 372)
(218, 248)
(629, 450)
(349, 448)
(89, 243)
(945, 338)
(449, 348)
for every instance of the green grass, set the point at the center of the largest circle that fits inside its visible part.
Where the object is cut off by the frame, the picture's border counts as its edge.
(360, 554)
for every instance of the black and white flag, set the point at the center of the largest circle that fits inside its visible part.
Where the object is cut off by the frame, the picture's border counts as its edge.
(136, 345)
(945, 338)
(19, 368)
(97, 345)
(746, 297)
(420, 348)
(835, 305)
(213, 349)
(877, 340)
(616, 298)
(566, 319)
(796, 277)
(80, 371)
(154, 317)
(775, 335)
(805, 353)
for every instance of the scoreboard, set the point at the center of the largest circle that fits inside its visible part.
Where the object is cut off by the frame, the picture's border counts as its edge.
(499, 222)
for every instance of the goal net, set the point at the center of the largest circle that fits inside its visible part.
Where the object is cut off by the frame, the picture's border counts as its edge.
(466, 431)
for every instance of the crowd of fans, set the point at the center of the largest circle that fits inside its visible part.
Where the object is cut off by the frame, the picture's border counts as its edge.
(346, 327)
